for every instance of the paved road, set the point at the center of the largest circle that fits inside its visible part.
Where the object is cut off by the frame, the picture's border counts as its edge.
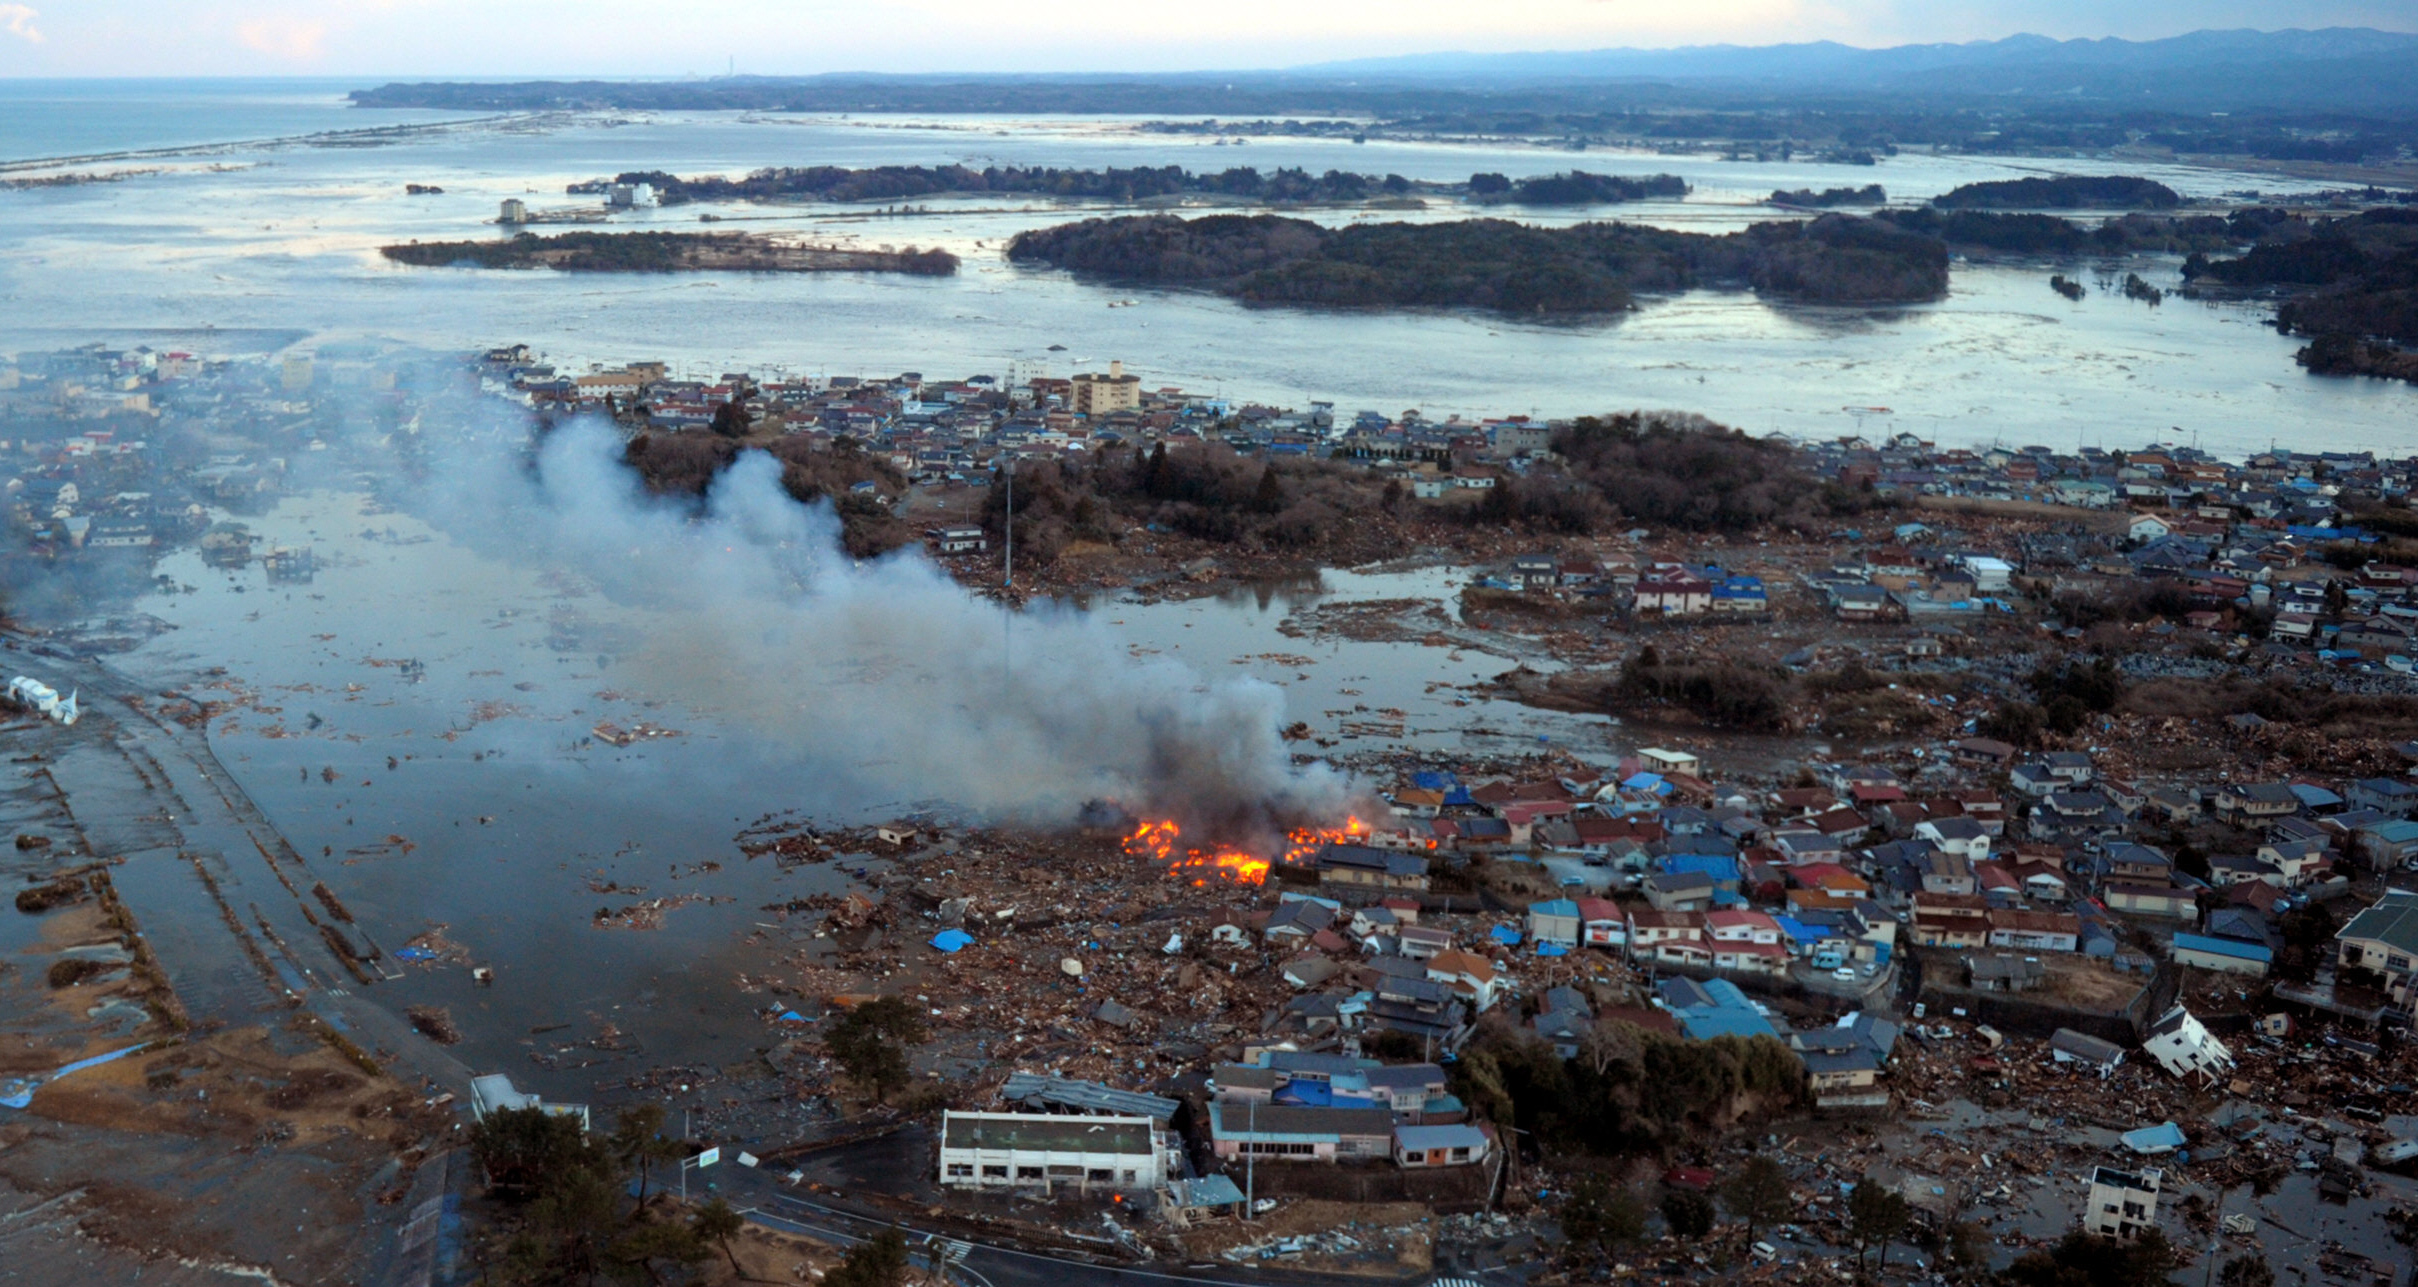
(991, 1265)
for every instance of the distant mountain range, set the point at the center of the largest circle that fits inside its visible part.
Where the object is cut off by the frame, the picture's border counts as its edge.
(2338, 67)
(2337, 70)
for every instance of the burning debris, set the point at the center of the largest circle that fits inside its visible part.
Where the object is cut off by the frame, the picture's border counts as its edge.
(1159, 841)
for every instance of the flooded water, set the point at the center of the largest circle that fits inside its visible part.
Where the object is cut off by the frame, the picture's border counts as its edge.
(468, 790)
(255, 246)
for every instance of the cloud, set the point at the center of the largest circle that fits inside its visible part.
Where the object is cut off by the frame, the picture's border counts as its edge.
(18, 21)
(284, 37)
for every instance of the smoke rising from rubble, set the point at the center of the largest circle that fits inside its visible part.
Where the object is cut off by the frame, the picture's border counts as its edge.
(886, 677)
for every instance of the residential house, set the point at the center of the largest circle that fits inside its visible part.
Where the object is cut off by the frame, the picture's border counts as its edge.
(1602, 923)
(1958, 835)
(1673, 592)
(2393, 797)
(1365, 867)
(2067, 1046)
(2004, 973)
(1287, 1133)
(1679, 891)
(2225, 955)
(1648, 930)
(1466, 973)
(2383, 940)
(2388, 845)
(1948, 873)
(1555, 921)
(2184, 1047)
(2166, 902)
(2035, 931)
(1429, 1147)
(2250, 803)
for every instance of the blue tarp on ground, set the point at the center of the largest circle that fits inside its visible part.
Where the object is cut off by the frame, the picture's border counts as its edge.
(1506, 936)
(952, 940)
(2165, 1137)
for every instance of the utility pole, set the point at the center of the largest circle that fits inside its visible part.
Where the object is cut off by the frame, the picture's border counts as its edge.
(1250, 1156)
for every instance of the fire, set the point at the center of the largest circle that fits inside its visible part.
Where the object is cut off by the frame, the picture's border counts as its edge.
(1303, 842)
(1161, 842)
(1158, 841)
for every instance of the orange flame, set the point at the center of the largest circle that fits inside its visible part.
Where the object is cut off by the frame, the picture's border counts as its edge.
(1158, 841)
(1304, 842)
(1161, 842)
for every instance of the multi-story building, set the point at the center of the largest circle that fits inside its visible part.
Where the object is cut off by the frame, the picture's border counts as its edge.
(1094, 393)
(2122, 1203)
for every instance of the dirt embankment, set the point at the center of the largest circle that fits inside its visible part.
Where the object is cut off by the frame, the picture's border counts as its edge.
(160, 1139)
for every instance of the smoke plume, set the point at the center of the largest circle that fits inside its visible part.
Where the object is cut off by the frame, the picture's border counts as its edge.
(885, 676)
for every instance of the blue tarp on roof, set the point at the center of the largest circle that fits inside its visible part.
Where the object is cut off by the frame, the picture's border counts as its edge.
(1646, 782)
(952, 940)
(1435, 780)
(1722, 868)
(2224, 947)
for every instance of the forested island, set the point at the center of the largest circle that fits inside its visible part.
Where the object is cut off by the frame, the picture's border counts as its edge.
(1887, 257)
(1493, 264)
(1871, 194)
(1285, 186)
(1576, 188)
(2351, 287)
(2064, 192)
(664, 252)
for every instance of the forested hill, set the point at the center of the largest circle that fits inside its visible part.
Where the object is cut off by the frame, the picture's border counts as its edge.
(2064, 192)
(2351, 286)
(1494, 264)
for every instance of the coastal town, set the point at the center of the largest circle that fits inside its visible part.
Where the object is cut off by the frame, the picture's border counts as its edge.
(2005, 870)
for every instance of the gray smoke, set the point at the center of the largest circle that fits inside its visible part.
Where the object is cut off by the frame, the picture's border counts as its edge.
(885, 676)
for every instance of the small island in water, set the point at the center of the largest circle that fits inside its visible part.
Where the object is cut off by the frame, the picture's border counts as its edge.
(665, 252)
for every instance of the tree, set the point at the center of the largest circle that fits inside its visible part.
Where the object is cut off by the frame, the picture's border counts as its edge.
(1965, 1248)
(1598, 1218)
(1689, 1213)
(526, 1151)
(870, 1043)
(716, 1222)
(637, 1140)
(1876, 1215)
(1758, 1194)
(1271, 494)
(879, 1261)
(2246, 1271)
(730, 419)
(2088, 1260)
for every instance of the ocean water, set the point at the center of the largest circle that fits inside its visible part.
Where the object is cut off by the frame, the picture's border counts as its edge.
(238, 246)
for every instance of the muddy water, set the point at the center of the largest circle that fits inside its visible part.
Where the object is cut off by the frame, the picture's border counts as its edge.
(468, 791)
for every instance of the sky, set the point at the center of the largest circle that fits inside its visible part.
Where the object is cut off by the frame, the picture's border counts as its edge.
(425, 38)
